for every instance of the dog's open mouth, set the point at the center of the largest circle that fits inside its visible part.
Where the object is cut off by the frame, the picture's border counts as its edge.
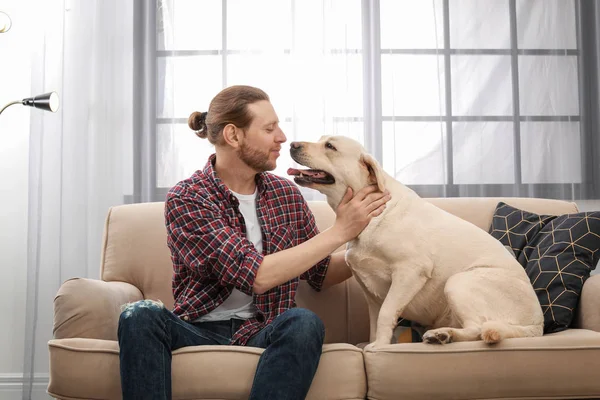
(305, 176)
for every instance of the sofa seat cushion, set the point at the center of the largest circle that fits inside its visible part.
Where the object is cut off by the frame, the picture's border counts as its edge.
(89, 369)
(557, 365)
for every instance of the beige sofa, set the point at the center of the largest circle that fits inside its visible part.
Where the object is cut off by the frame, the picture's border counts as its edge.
(135, 264)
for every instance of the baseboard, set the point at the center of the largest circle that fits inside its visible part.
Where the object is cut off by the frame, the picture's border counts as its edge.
(11, 387)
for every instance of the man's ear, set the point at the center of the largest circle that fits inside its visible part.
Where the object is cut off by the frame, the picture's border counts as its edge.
(231, 135)
(375, 171)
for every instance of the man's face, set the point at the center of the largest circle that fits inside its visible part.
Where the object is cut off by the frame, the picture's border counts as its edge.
(260, 146)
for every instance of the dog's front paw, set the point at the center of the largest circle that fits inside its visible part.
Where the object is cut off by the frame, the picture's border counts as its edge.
(438, 336)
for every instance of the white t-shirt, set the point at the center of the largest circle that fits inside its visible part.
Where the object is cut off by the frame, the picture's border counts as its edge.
(238, 304)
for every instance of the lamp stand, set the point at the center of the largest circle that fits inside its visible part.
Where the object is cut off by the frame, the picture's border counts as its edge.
(9, 104)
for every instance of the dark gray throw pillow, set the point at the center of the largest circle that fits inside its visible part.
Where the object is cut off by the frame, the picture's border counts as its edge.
(558, 253)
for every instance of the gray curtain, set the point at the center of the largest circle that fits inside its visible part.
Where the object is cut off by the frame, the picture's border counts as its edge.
(588, 37)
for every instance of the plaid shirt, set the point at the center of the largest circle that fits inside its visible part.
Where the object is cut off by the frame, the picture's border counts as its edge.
(211, 254)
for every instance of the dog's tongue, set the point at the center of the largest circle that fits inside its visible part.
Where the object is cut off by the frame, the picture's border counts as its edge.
(307, 172)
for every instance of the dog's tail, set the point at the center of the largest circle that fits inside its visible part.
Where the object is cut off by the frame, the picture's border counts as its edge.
(495, 331)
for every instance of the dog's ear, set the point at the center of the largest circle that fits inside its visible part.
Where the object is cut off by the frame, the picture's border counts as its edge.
(375, 171)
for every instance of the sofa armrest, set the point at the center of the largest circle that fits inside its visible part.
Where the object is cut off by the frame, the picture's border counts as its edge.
(90, 308)
(588, 310)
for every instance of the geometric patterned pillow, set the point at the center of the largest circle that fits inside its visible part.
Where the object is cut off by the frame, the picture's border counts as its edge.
(515, 228)
(557, 252)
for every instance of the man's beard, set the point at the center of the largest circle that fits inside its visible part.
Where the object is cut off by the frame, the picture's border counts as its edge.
(255, 158)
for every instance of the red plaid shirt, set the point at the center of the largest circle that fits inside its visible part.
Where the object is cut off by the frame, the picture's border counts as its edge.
(211, 254)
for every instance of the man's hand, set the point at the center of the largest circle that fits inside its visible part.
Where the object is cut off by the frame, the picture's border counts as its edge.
(355, 213)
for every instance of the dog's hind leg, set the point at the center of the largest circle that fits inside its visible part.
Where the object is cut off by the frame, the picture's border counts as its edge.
(494, 331)
(460, 323)
(448, 335)
(499, 305)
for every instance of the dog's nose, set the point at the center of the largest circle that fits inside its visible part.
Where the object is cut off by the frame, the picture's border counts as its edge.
(295, 145)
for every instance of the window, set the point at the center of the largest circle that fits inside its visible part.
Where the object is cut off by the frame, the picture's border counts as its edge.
(489, 88)
(204, 46)
(453, 97)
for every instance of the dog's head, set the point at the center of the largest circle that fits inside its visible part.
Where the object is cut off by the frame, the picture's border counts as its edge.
(334, 164)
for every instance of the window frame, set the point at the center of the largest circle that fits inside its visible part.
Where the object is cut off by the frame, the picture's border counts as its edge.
(145, 185)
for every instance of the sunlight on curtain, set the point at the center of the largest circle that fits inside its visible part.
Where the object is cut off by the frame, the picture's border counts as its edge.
(412, 85)
(473, 102)
(477, 98)
(305, 54)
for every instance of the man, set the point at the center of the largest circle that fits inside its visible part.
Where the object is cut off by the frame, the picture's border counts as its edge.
(240, 238)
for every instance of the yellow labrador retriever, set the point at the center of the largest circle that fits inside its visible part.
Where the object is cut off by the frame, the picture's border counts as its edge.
(419, 262)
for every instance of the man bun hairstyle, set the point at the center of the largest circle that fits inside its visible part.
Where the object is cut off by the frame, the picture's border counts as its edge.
(229, 106)
(197, 122)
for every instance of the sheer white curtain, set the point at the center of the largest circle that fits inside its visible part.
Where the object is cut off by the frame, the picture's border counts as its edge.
(453, 97)
(305, 54)
(80, 158)
(481, 98)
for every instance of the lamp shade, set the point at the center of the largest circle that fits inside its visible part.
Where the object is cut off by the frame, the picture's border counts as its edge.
(46, 101)
(5, 22)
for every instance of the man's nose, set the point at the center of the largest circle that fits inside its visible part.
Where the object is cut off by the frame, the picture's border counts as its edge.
(281, 138)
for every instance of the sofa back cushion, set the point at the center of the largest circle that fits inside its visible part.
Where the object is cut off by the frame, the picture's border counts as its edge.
(480, 210)
(135, 251)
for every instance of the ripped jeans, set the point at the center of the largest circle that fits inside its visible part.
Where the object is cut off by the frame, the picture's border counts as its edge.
(148, 333)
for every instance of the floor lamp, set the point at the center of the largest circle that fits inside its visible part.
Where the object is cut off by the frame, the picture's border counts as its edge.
(46, 102)
(5, 22)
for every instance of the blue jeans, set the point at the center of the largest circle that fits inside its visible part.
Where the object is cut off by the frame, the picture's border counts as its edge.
(148, 333)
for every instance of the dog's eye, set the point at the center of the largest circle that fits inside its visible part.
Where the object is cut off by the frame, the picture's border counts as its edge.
(330, 146)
